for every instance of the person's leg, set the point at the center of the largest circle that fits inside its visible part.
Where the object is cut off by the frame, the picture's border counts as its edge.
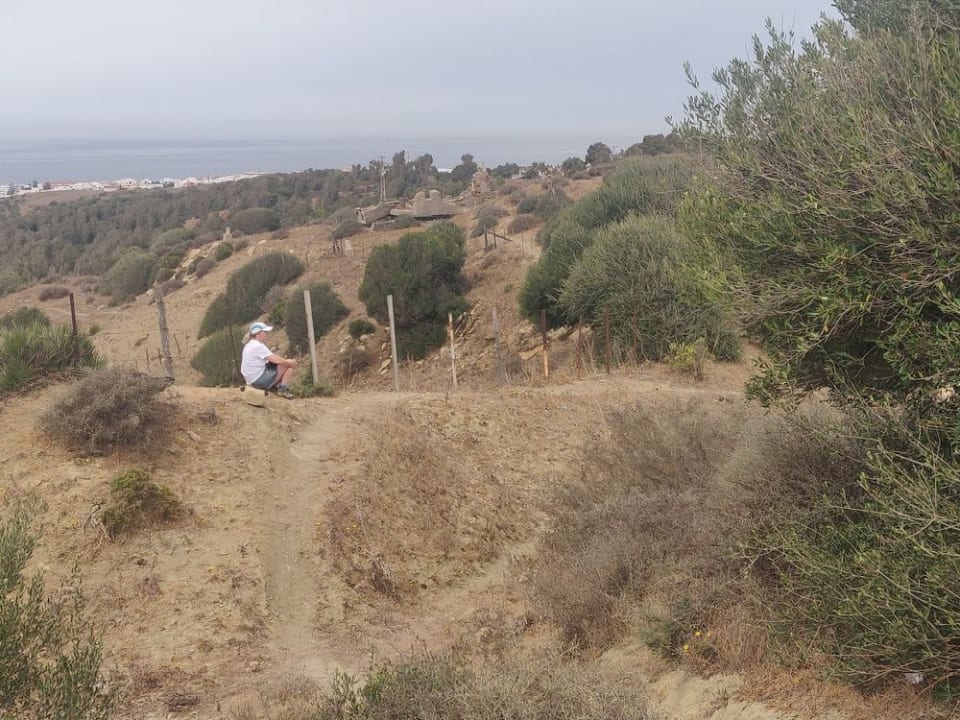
(285, 376)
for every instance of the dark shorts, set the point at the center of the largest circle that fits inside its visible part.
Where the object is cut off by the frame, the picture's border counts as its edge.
(267, 379)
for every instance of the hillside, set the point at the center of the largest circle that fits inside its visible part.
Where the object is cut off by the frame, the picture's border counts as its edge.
(332, 534)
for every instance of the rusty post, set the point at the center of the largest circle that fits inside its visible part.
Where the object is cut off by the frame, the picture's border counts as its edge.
(75, 338)
(580, 349)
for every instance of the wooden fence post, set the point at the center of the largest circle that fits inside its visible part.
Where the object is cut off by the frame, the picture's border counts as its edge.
(75, 338)
(164, 332)
(608, 351)
(393, 344)
(453, 349)
(546, 355)
(308, 307)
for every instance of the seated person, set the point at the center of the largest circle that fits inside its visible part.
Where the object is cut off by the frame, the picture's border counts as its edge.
(261, 367)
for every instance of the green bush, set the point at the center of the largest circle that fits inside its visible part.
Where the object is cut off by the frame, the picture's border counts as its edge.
(33, 352)
(256, 220)
(652, 284)
(359, 327)
(136, 502)
(347, 228)
(572, 165)
(131, 274)
(327, 310)
(24, 316)
(405, 221)
(222, 251)
(175, 239)
(10, 281)
(423, 272)
(93, 330)
(111, 408)
(50, 658)
(218, 359)
(305, 388)
(204, 265)
(247, 288)
(645, 186)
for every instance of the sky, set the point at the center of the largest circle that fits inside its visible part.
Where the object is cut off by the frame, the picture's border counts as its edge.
(232, 69)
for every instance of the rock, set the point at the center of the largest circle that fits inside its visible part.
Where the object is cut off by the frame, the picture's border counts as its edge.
(385, 365)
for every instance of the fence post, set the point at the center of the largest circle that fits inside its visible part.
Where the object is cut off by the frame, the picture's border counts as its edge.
(75, 338)
(164, 332)
(546, 354)
(308, 308)
(580, 349)
(453, 349)
(393, 344)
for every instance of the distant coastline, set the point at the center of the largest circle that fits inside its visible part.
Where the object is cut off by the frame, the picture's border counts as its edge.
(72, 162)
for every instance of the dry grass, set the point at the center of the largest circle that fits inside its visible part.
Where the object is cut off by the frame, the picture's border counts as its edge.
(419, 516)
(111, 408)
(650, 537)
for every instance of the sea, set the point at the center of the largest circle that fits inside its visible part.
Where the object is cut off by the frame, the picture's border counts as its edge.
(59, 161)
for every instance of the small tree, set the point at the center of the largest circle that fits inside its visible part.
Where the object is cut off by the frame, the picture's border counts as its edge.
(572, 165)
(598, 154)
(423, 272)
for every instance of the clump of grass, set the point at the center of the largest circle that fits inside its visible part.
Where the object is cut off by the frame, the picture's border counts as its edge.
(34, 352)
(24, 316)
(111, 408)
(359, 327)
(305, 387)
(136, 502)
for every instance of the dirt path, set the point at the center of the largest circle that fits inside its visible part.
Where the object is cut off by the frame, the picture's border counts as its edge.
(294, 494)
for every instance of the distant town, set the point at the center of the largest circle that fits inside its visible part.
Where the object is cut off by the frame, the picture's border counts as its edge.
(15, 189)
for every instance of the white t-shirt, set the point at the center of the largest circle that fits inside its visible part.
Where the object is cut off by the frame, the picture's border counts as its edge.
(255, 355)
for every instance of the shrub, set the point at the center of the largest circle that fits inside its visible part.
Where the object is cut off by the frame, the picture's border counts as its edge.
(51, 659)
(247, 288)
(111, 408)
(522, 223)
(222, 251)
(528, 204)
(33, 352)
(641, 186)
(274, 306)
(136, 501)
(10, 281)
(256, 220)
(93, 330)
(172, 285)
(305, 387)
(652, 284)
(53, 292)
(572, 165)
(218, 359)
(347, 228)
(24, 316)
(130, 275)
(327, 310)
(175, 239)
(204, 266)
(423, 272)
(359, 327)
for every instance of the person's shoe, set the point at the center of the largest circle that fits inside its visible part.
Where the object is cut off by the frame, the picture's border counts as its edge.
(284, 392)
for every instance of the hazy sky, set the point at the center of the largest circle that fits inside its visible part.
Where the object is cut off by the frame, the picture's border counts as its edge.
(309, 68)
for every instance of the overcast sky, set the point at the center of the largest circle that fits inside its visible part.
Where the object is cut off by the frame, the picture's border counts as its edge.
(308, 68)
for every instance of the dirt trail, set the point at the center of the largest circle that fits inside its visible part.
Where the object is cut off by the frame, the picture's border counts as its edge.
(294, 493)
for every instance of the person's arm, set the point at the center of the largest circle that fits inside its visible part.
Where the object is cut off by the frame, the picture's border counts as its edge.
(284, 362)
